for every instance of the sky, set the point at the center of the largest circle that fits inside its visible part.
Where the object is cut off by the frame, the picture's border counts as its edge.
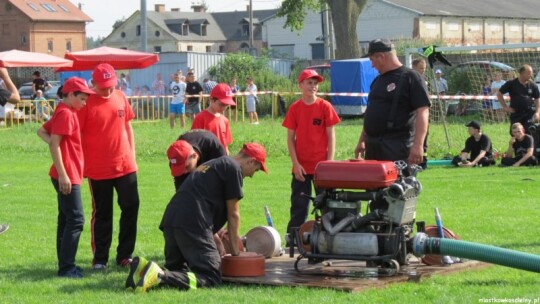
(106, 12)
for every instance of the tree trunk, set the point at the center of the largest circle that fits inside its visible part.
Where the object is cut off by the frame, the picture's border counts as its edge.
(345, 15)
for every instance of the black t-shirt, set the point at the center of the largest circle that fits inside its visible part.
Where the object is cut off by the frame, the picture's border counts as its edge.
(4, 97)
(39, 84)
(201, 201)
(474, 147)
(193, 88)
(205, 143)
(522, 96)
(413, 96)
(521, 147)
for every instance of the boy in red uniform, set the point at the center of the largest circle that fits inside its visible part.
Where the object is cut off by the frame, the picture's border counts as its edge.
(62, 134)
(109, 157)
(310, 125)
(212, 119)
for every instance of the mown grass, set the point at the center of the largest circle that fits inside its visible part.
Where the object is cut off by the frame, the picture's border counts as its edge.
(496, 206)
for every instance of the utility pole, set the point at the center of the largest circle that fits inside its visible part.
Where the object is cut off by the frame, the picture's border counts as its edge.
(326, 31)
(143, 26)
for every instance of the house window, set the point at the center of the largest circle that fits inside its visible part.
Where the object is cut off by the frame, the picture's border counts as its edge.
(515, 28)
(430, 25)
(63, 8)
(23, 39)
(138, 31)
(33, 6)
(495, 28)
(474, 28)
(68, 46)
(453, 27)
(157, 49)
(245, 30)
(185, 29)
(283, 50)
(50, 46)
(208, 48)
(222, 49)
(190, 48)
(123, 34)
(48, 7)
(203, 30)
(157, 33)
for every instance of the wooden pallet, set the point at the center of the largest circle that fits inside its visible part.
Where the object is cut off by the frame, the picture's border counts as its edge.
(345, 275)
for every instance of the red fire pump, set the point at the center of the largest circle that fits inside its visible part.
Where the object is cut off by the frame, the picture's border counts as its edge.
(340, 230)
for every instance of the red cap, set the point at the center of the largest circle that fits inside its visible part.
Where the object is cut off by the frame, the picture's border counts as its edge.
(178, 153)
(76, 84)
(104, 76)
(223, 93)
(256, 151)
(307, 73)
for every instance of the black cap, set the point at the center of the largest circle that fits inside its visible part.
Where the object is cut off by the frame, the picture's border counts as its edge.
(379, 45)
(473, 124)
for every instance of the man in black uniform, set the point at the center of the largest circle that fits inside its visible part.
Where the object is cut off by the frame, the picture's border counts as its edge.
(523, 95)
(191, 150)
(478, 149)
(193, 87)
(395, 124)
(207, 200)
(39, 84)
(520, 149)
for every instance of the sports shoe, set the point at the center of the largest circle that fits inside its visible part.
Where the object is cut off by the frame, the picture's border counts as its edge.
(72, 274)
(98, 266)
(3, 228)
(124, 262)
(135, 272)
(149, 277)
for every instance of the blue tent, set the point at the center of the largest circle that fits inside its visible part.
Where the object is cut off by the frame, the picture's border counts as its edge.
(351, 76)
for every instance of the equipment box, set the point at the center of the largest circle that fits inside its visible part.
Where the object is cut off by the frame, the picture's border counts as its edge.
(355, 174)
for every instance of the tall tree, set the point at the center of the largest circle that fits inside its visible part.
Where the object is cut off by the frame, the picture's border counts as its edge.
(345, 15)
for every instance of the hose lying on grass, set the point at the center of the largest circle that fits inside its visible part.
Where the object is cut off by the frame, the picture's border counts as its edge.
(422, 244)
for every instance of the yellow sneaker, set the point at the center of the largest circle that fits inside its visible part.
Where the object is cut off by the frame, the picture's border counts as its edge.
(149, 277)
(135, 272)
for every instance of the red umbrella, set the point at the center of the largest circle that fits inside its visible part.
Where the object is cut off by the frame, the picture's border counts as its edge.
(16, 58)
(120, 59)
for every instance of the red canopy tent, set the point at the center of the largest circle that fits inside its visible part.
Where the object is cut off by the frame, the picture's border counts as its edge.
(120, 59)
(16, 58)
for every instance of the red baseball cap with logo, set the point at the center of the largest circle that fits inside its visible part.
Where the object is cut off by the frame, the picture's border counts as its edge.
(76, 84)
(308, 73)
(178, 153)
(104, 76)
(256, 151)
(223, 93)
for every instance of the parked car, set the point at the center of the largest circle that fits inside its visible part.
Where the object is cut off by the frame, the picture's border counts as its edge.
(26, 91)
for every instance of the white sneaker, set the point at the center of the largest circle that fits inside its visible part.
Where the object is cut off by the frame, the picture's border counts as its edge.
(256, 123)
(99, 267)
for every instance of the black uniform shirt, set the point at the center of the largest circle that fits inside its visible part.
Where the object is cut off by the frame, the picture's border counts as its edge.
(474, 147)
(413, 96)
(521, 96)
(201, 201)
(193, 88)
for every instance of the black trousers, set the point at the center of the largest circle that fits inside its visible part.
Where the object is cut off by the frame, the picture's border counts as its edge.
(484, 162)
(300, 204)
(510, 161)
(389, 148)
(69, 227)
(102, 216)
(190, 251)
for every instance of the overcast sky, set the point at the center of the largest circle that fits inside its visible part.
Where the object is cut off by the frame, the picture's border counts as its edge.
(106, 12)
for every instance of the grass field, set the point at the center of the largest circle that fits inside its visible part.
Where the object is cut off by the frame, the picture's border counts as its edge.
(496, 206)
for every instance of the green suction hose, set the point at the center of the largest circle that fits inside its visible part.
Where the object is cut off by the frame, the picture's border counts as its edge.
(422, 244)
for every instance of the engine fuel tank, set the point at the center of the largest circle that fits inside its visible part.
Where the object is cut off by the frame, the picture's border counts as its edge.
(355, 174)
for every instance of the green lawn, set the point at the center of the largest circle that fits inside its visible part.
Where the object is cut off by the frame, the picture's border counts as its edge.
(496, 206)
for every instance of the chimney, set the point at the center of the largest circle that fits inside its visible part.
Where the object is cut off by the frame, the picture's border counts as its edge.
(176, 9)
(247, 8)
(198, 8)
(160, 8)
